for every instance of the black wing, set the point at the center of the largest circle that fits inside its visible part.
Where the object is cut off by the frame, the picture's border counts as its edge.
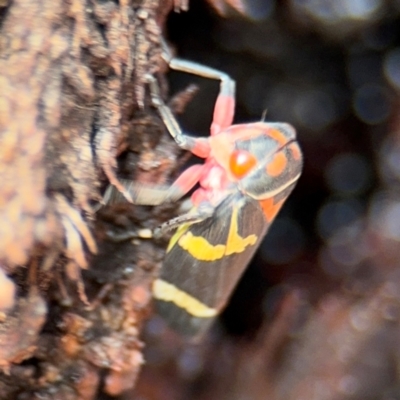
(193, 282)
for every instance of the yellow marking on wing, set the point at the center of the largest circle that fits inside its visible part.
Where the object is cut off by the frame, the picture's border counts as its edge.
(199, 247)
(165, 291)
(175, 237)
(236, 243)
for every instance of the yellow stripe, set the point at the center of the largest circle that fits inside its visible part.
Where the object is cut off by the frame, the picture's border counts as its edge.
(199, 247)
(235, 243)
(167, 292)
(179, 232)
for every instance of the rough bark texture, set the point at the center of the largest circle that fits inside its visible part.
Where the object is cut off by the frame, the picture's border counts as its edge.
(73, 98)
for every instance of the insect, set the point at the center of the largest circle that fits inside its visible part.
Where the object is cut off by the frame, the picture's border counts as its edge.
(248, 173)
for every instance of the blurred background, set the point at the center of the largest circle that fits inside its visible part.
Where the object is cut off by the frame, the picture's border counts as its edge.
(316, 315)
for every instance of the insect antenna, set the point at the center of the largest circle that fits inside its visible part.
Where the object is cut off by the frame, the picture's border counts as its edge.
(264, 114)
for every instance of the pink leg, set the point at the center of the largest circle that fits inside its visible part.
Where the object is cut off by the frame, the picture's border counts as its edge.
(155, 194)
(223, 113)
(186, 181)
(225, 104)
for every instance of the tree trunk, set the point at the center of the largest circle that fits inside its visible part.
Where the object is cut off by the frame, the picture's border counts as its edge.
(73, 99)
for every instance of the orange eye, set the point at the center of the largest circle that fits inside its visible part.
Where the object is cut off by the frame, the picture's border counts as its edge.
(241, 162)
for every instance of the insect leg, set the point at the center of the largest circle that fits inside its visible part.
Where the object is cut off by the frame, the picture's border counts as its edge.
(225, 105)
(154, 195)
(198, 146)
(129, 235)
(202, 212)
(140, 194)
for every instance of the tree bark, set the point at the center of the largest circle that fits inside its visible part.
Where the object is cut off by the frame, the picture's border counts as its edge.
(73, 99)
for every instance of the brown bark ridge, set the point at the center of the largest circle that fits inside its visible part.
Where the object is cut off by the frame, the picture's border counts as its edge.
(72, 99)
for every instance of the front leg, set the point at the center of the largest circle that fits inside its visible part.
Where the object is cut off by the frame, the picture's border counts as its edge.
(204, 211)
(224, 108)
(198, 146)
(154, 195)
(225, 105)
(195, 215)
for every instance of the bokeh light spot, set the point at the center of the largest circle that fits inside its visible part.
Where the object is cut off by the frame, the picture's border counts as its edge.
(336, 214)
(360, 9)
(259, 10)
(391, 67)
(371, 104)
(390, 160)
(334, 11)
(391, 221)
(315, 109)
(348, 173)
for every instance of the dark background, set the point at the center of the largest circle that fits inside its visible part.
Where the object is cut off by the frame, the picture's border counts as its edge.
(330, 261)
